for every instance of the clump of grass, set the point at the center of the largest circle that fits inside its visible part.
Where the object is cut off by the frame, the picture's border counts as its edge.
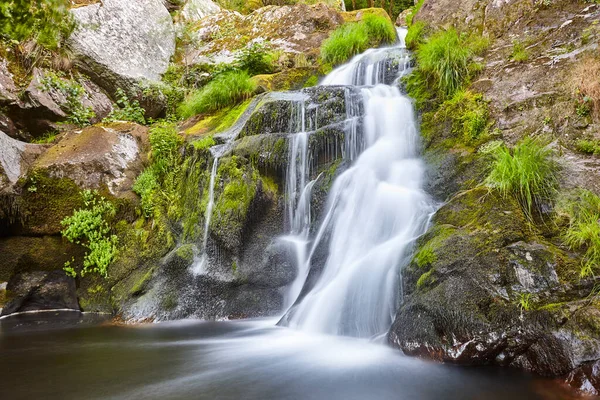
(528, 172)
(227, 89)
(353, 38)
(445, 60)
(415, 35)
(584, 230)
(204, 143)
(585, 84)
(588, 146)
(519, 52)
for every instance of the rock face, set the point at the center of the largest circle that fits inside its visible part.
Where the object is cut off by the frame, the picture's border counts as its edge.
(39, 290)
(124, 44)
(291, 29)
(487, 287)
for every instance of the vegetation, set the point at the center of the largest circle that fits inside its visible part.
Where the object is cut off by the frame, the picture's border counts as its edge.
(413, 11)
(127, 110)
(583, 232)
(393, 7)
(588, 146)
(585, 84)
(528, 172)
(524, 301)
(227, 89)
(256, 59)
(415, 35)
(519, 52)
(90, 227)
(47, 22)
(78, 114)
(356, 37)
(204, 143)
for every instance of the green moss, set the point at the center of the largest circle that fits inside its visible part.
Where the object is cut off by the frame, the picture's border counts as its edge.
(519, 52)
(425, 279)
(220, 121)
(204, 143)
(588, 146)
(427, 254)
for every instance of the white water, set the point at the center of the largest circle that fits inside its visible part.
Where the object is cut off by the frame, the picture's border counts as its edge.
(376, 209)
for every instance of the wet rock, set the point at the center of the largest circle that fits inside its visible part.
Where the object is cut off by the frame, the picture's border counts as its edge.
(108, 156)
(586, 379)
(8, 90)
(124, 44)
(40, 290)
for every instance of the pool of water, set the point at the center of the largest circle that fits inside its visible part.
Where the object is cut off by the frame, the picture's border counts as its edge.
(61, 358)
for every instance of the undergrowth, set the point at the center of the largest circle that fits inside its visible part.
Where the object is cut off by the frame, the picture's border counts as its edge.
(91, 227)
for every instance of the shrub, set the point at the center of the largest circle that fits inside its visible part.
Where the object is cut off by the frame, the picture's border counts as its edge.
(127, 110)
(165, 143)
(145, 185)
(585, 84)
(584, 230)
(73, 92)
(90, 227)
(445, 60)
(228, 88)
(528, 172)
(519, 52)
(353, 38)
(47, 22)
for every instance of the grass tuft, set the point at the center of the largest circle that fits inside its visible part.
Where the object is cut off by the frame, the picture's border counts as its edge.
(585, 84)
(227, 89)
(528, 172)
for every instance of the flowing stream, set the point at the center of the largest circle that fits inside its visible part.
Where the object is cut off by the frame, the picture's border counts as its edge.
(375, 210)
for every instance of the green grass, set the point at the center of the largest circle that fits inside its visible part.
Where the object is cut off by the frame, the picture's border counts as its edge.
(227, 89)
(353, 38)
(584, 230)
(519, 52)
(588, 146)
(528, 172)
(204, 143)
(415, 35)
(445, 60)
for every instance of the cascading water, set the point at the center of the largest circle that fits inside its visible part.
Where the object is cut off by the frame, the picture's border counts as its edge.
(376, 208)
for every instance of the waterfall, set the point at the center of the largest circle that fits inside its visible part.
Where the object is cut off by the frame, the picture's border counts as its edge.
(376, 208)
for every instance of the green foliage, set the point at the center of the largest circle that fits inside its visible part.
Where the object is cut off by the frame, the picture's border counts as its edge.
(204, 143)
(145, 185)
(584, 229)
(48, 137)
(424, 279)
(90, 227)
(445, 60)
(415, 35)
(414, 10)
(73, 92)
(524, 301)
(393, 8)
(128, 110)
(47, 22)
(528, 172)
(353, 38)
(227, 89)
(588, 146)
(312, 81)
(256, 59)
(425, 257)
(519, 52)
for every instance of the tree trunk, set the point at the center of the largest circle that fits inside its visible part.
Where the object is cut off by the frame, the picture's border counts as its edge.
(391, 10)
(371, 3)
(353, 5)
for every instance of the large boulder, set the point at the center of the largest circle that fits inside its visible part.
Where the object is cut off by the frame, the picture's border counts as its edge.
(40, 290)
(96, 157)
(195, 10)
(124, 44)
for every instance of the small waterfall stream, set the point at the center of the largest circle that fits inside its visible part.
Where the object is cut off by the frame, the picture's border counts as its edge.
(376, 208)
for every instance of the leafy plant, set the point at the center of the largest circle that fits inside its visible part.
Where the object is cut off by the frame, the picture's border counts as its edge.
(204, 143)
(128, 110)
(415, 35)
(256, 59)
(90, 227)
(528, 172)
(353, 38)
(584, 230)
(226, 89)
(525, 301)
(78, 114)
(588, 146)
(47, 22)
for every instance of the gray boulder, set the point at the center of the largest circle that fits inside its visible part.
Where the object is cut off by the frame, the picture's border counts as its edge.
(124, 44)
(15, 159)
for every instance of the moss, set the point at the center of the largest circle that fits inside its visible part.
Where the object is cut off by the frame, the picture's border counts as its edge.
(204, 143)
(290, 79)
(142, 284)
(425, 279)
(427, 254)
(220, 121)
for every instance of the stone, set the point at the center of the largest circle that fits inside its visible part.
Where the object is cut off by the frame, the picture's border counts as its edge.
(124, 44)
(99, 156)
(196, 10)
(15, 159)
(8, 90)
(40, 290)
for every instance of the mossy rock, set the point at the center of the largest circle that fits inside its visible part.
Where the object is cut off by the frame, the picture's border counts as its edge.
(290, 79)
